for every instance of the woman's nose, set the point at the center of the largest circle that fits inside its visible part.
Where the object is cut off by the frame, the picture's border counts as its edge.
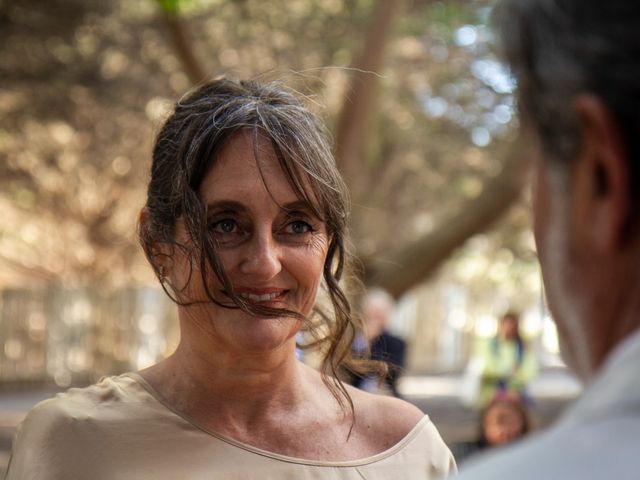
(262, 257)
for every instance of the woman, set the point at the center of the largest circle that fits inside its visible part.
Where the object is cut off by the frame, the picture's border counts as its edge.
(244, 222)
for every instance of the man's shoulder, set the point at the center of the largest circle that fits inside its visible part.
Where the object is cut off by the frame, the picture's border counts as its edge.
(522, 461)
(601, 449)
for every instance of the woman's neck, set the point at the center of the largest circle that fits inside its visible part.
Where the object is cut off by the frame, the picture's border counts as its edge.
(204, 382)
(221, 373)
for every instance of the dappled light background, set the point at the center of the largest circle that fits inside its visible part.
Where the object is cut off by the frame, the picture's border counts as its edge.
(85, 84)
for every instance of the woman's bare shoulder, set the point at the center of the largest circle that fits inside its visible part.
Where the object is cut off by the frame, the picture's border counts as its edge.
(388, 418)
(380, 421)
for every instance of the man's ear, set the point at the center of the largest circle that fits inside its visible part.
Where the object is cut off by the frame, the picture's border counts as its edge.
(601, 176)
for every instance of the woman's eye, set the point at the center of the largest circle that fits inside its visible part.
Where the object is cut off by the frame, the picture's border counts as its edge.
(225, 226)
(298, 227)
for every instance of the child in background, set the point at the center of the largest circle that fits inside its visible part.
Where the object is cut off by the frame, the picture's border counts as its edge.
(503, 421)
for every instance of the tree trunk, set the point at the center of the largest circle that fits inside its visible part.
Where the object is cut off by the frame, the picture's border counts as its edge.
(358, 106)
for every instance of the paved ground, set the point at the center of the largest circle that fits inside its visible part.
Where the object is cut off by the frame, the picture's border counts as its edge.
(436, 395)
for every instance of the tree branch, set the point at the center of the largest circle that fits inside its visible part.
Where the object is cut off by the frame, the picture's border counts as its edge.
(15, 273)
(182, 42)
(416, 262)
(358, 105)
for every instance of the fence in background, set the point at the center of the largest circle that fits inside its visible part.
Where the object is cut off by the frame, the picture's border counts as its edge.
(76, 336)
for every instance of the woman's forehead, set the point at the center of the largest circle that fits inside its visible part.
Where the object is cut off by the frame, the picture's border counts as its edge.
(248, 170)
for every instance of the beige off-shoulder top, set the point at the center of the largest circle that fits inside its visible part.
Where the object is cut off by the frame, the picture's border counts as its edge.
(119, 428)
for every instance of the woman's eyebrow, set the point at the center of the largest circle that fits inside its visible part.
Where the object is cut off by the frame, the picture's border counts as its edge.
(226, 205)
(303, 207)
(298, 205)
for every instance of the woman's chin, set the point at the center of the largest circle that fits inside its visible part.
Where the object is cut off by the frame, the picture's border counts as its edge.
(261, 335)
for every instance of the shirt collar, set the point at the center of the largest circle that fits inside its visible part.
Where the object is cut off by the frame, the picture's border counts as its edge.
(614, 390)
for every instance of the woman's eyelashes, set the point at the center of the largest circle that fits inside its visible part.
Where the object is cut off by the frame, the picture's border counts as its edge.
(229, 230)
(298, 227)
(224, 226)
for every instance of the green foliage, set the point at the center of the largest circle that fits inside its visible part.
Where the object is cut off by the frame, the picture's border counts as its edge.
(170, 6)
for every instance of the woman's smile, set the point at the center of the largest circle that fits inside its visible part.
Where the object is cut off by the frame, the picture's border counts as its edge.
(269, 296)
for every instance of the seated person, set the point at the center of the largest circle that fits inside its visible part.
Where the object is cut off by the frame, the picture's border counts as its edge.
(503, 421)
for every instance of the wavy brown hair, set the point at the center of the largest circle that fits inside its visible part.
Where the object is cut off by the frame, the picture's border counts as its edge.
(186, 149)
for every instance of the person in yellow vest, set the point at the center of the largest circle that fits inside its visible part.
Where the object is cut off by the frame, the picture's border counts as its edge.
(507, 363)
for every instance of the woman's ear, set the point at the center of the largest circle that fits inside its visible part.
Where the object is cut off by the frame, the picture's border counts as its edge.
(159, 254)
(143, 216)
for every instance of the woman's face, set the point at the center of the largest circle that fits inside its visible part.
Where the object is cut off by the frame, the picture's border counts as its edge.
(509, 327)
(271, 246)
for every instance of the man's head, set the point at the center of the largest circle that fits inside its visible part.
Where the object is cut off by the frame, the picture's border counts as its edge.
(377, 308)
(576, 63)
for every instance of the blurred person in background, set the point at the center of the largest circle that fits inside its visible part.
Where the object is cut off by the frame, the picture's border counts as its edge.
(506, 362)
(244, 222)
(503, 421)
(377, 308)
(577, 63)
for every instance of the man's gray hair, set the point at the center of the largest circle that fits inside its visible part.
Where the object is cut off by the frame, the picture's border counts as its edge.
(379, 296)
(558, 49)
